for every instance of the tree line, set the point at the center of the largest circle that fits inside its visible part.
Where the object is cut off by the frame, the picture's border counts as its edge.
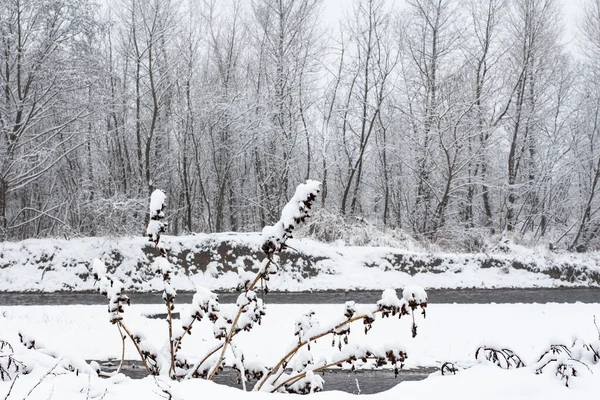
(453, 120)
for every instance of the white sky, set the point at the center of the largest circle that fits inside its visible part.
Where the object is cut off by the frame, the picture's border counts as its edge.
(334, 11)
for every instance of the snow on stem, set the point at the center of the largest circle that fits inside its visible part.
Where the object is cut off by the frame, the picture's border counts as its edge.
(295, 212)
(156, 225)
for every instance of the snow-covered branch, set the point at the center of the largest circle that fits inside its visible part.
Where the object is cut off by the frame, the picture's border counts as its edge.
(295, 212)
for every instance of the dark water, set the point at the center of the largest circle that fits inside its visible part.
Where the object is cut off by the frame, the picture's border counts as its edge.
(369, 382)
(460, 296)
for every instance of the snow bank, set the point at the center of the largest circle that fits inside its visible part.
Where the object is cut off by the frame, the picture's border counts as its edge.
(214, 260)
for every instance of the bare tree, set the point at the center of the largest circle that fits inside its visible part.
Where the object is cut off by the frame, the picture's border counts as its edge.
(39, 124)
(587, 227)
(429, 42)
(534, 28)
(284, 37)
(369, 72)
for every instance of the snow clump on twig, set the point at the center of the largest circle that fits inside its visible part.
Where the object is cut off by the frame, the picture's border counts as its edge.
(156, 226)
(295, 212)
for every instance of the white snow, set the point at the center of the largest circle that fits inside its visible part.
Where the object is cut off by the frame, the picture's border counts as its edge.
(450, 333)
(414, 293)
(157, 204)
(98, 268)
(162, 266)
(155, 227)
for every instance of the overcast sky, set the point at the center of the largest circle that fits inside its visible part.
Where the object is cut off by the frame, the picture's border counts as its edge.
(334, 11)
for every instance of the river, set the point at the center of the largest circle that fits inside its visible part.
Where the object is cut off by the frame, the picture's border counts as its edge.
(436, 296)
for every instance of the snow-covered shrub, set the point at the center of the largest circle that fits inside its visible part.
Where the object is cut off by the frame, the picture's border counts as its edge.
(448, 368)
(331, 227)
(297, 370)
(561, 360)
(568, 362)
(68, 364)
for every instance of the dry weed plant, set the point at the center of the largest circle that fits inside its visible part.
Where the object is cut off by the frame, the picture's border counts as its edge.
(297, 370)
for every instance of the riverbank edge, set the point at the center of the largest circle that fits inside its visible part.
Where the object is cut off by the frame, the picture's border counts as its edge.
(213, 260)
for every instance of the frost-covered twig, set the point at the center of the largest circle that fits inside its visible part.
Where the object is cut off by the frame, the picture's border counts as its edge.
(163, 267)
(295, 212)
(156, 225)
(382, 357)
(123, 337)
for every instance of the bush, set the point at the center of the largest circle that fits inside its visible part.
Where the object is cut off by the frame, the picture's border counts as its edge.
(296, 371)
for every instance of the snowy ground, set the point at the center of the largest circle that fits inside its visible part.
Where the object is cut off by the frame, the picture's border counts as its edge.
(71, 334)
(449, 333)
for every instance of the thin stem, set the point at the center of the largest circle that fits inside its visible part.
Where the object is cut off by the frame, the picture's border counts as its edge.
(235, 321)
(178, 342)
(195, 369)
(137, 347)
(296, 378)
(227, 340)
(171, 348)
(123, 337)
(43, 377)
(11, 386)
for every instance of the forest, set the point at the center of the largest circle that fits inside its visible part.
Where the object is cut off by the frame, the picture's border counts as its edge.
(454, 121)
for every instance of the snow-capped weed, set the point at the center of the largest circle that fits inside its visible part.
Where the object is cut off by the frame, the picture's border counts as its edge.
(156, 225)
(448, 368)
(295, 212)
(566, 362)
(563, 361)
(249, 312)
(504, 358)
